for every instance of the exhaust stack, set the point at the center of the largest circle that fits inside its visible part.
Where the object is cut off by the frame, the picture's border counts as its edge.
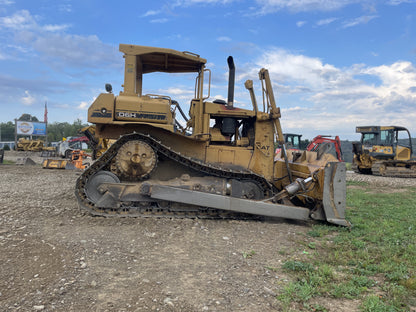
(231, 82)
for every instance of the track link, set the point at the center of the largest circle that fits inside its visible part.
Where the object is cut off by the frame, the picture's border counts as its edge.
(170, 209)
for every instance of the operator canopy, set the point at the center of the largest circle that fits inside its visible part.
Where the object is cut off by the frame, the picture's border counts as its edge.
(163, 60)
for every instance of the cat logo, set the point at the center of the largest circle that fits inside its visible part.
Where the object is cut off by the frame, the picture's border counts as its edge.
(265, 149)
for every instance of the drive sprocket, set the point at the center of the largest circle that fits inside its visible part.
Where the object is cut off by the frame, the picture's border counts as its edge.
(135, 160)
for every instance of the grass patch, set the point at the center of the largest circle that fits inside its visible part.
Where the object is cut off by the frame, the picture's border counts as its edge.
(374, 263)
(248, 254)
(7, 162)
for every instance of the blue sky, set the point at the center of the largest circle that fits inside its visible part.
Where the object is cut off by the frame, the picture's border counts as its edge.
(335, 64)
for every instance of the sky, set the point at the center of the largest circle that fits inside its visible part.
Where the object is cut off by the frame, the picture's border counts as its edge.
(334, 64)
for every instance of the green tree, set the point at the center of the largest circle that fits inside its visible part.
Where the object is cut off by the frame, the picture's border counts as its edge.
(28, 117)
(59, 130)
(304, 144)
(7, 131)
(56, 131)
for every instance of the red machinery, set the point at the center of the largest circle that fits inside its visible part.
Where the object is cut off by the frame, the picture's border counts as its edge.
(325, 143)
(79, 139)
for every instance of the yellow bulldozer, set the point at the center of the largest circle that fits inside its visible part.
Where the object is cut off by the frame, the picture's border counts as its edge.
(97, 145)
(32, 145)
(384, 151)
(218, 163)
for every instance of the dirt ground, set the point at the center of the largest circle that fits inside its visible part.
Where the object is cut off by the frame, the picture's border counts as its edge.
(56, 258)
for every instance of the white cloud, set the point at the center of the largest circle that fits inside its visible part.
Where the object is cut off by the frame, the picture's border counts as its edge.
(6, 2)
(300, 69)
(18, 21)
(224, 39)
(54, 28)
(173, 91)
(398, 2)
(83, 105)
(304, 5)
(192, 2)
(300, 23)
(22, 20)
(54, 45)
(293, 109)
(178, 93)
(335, 100)
(75, 50)
(151, 13)
(269, 6)
(65, 8)
(272, 6)
(358, 21)
(326, 21)
(159, 20)
(27, 99)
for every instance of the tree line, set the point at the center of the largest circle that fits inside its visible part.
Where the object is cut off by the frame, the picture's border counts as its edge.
(56, 130)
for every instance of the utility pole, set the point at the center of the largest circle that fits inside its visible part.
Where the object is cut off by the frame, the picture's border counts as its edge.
(15, 134)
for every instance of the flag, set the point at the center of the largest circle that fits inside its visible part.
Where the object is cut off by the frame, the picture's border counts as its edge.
(45, 116)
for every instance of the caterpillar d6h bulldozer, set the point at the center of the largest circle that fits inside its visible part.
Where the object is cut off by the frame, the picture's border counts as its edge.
(384, 151)
(219, 165)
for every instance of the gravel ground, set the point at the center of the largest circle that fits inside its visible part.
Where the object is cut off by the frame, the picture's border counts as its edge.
(380, 181)
(56, 258)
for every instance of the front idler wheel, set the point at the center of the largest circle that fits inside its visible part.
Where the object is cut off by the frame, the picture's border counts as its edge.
(92, 188)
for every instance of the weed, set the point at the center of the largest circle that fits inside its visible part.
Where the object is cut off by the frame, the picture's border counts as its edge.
(375, 304)
(248, 254)
(298, 266)
(272, 269)
(317, 308)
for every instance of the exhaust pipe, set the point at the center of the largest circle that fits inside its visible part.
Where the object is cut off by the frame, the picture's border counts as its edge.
(231, 82)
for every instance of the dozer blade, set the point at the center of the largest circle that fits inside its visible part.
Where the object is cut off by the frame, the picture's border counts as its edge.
(25, 161)
(54, 164)
(169, 193)
(70, 166)
(334, 195)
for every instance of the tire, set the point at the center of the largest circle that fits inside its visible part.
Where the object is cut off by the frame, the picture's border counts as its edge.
(68, 154)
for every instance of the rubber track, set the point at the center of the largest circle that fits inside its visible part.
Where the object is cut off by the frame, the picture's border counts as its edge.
(151, 209)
